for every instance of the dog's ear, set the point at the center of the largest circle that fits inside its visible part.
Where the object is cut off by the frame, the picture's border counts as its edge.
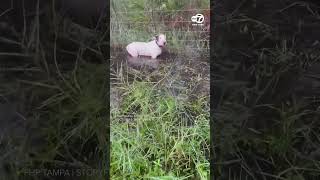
(157, 37)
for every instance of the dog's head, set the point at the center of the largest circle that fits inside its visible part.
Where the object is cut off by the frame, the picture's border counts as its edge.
(161, 40)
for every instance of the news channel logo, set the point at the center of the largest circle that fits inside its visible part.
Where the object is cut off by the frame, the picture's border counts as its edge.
(197, 20)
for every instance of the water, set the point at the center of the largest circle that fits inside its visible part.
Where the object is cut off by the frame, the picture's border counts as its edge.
(186, 75)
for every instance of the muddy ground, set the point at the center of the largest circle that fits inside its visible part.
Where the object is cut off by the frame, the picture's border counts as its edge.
(177, 72)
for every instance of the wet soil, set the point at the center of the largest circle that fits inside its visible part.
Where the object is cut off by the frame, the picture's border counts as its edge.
(179, 73)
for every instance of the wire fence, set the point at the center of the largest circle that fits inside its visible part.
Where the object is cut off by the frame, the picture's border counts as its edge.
(181, 31)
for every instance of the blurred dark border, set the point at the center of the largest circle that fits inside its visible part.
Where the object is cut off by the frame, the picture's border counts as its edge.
(19, 14)
(247, 104)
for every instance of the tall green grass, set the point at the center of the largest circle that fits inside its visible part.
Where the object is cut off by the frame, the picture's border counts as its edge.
(155, 136)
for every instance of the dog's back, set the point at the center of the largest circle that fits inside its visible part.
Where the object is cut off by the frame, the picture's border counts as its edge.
(152, 49)
(136, 49)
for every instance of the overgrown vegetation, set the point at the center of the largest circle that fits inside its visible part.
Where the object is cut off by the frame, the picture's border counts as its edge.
(160, 118)
(155, 136)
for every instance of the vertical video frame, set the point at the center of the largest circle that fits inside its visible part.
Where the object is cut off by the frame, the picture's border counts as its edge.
(159, 70)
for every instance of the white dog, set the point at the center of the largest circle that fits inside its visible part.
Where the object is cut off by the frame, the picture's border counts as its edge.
(152, 48)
